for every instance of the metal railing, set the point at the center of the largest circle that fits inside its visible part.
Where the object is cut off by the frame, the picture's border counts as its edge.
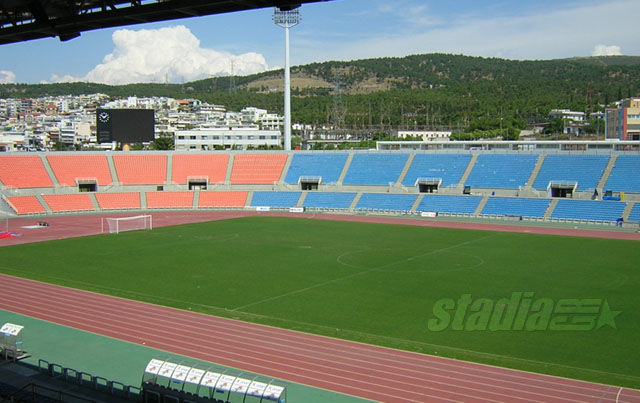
(85, 379)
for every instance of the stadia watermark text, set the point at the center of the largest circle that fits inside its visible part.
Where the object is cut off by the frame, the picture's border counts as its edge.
(521, 311)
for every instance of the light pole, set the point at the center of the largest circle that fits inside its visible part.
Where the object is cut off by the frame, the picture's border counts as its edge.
(286, 19)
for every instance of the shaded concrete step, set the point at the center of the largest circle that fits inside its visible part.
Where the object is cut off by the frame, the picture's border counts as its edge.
(467, 171)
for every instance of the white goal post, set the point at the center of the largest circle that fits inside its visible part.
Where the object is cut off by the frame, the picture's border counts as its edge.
(4, 220)
(115, 225)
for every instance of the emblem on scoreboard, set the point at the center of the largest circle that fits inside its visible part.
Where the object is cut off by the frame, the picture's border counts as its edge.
(104, 117)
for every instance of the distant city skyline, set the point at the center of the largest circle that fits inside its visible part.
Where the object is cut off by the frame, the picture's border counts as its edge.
(248, 42)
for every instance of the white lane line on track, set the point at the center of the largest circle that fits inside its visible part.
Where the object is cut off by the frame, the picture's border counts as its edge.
(192, 343)
(394, 353)
(169, 345)
(331, 342)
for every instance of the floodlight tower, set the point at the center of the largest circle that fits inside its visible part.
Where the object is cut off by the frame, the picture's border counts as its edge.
(286, 18)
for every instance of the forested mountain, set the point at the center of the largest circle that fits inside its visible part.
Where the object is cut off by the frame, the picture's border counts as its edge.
(433, 89)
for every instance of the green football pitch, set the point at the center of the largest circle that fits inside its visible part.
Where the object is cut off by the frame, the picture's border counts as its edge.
(574, 301)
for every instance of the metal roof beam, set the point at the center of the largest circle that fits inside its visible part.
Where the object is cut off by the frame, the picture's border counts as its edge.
(65, 19)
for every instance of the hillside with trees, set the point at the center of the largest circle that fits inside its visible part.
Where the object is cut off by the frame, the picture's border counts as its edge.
(431, 90)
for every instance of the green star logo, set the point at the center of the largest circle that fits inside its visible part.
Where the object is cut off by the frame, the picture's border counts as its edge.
(607, 316)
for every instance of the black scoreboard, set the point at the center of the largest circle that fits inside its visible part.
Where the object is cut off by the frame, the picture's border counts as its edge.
(125, 125)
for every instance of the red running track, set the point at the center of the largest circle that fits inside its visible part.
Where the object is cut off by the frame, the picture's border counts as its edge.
(362, 370)
(90, 224)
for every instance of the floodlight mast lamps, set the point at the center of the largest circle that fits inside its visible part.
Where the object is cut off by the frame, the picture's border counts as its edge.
(287, 19)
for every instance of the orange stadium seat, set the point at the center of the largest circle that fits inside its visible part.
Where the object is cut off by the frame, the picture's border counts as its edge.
(141, 169)
(23, 171)
(69, 202)
(222, 199)
(169, 199)
(257, 168)
(26, 204)
(213, 166)
(113, 201)
(69, 167)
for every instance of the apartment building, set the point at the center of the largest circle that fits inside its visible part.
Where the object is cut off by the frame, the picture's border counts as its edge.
(623, 122)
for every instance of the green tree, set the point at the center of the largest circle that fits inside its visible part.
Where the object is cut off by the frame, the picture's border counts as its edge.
(164, 141)
(60, 146)
(595, 126)
(555, 126)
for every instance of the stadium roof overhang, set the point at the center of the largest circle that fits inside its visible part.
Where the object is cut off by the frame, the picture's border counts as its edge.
(34, 19)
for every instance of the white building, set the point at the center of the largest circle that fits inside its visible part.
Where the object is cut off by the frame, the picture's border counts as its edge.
(232, 137)
(566, 114)
(4, 108)
(84, 133)
(426, 135)
(268, 121)
(11, 141)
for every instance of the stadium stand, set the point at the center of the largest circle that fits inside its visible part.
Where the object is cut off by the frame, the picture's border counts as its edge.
(501, 171)
(449, 204)
(141, 169)
(502, 206)
(375, 169)
(448, 167)
(169, 199)
(48, 382)
(23, 171)
(68, 167)
(222, 199)
(327, 166)
(386, 201)
(584, 169)
(490, 171)
(25, 204)
(624, 177)
(275, 199)
(328, 200)
(68, 202)
(118, 201)
(588, 210)
(212, 166)
(257, 168)
(635, 213)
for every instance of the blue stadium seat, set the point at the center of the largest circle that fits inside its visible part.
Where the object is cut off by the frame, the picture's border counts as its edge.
(500, 206)
(386, 201)
(448, 167)
(588, 210)
(625, 175)
(327, 166)
(584, 169)
(375, 169)
(449, 204)
(502, 171)
(275, 199)
(635, 213)
(328, 200)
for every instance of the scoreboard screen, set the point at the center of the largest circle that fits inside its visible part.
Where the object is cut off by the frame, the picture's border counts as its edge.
(125, 125)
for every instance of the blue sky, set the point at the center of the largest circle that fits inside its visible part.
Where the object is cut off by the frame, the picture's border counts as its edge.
(249, 42)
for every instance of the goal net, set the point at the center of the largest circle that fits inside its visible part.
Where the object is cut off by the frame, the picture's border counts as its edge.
(115, 225)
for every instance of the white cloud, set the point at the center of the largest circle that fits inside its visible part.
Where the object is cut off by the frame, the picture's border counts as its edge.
(7, 77)
(545, 34)
(606, 50)
(171, 54)
(66, 78)
(386, 8)
(420, 17)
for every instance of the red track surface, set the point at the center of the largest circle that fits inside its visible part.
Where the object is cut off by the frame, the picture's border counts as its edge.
(362, 370)
(83, 225)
